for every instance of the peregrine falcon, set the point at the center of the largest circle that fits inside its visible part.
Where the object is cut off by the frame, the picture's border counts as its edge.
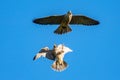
(65, 20)
(56, 54)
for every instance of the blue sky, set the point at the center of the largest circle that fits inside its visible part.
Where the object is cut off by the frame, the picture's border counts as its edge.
(96, 49)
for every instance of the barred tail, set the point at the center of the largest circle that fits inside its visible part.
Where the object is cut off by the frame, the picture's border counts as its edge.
(63, 29)
(57, 66)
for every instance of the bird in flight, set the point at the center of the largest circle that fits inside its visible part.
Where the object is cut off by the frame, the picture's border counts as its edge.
(56, 54)
(65, 20)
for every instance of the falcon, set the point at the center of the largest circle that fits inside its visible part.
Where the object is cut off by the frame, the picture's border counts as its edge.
(56, 54)
(65, 20)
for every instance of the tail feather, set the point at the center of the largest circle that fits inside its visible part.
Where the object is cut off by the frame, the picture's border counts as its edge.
(59, 66)
(63, 29)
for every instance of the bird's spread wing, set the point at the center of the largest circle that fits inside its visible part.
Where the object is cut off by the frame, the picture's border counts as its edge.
(49, 20)
(45, 49)
(50, 55)
(42, 53)
(38, 55)
(79, 19)
(63, 49)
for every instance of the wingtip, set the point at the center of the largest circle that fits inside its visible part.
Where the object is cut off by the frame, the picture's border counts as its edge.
(34, 21)
(34, 58)
(97, 22)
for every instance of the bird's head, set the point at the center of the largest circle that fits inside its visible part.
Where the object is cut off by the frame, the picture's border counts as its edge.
(69, 12)
(54, 46)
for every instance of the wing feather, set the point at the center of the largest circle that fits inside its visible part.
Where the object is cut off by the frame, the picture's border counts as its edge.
(63, 49)
(38, 55)
(49, 20)
(42, 53)
(79, 19)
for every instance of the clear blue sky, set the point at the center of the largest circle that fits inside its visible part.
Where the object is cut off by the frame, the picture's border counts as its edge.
(96, 49)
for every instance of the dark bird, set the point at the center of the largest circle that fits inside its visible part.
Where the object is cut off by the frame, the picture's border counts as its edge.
(56, 54)
(65, 20)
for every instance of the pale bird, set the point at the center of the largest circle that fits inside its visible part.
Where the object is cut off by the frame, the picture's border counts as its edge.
(65, 20)
(56, 54)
